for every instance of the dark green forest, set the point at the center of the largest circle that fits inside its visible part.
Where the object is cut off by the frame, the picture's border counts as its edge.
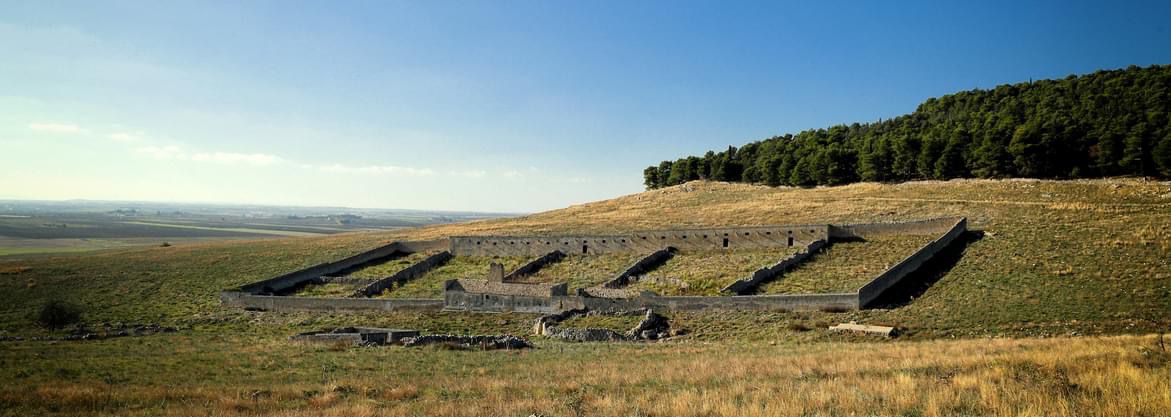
(1109, 123)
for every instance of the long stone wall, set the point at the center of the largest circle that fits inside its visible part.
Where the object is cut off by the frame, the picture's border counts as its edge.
(762, 275)
(644, 242)
(641, 266)
(407, 274)
(936, 226)
(535, 265)
(465, 301)
(893, 275)
(279, 303)
(300, 277)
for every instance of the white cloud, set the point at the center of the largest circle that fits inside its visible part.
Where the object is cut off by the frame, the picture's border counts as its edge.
(469, 173)
(232, 158)
(376, 170)
(56, 128)
(162, 152)
(125, 137)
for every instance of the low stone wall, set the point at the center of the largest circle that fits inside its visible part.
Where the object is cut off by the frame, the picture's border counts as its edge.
(893, 275)
(787, 302)
(769, 273)
(535, 265)
(603, 292)
(937, 226)
(407, 274)
(642, 266)
(644, 242)
(463, 301)
(480, 286)
(294, 279)
(279, 303)
(479, 302)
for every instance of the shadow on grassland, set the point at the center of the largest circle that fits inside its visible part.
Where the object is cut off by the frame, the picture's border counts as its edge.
(917, 283)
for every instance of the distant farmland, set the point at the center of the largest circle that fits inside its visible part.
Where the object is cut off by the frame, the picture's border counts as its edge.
(28, 228)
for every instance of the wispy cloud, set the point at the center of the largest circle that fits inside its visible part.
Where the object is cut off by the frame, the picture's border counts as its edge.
(161, 152)
(468, 173)
(232, 158)
(125, 137)
(376, 170)
(64, 128)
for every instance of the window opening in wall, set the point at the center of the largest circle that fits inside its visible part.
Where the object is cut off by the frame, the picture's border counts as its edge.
(705, 236)
(790, 241)
(644, 238)
(623, 240)
(585, 249)
(662, 237)
(725, 242)
(603, 241)
(768, 233)
(745, 233)
(685, 236)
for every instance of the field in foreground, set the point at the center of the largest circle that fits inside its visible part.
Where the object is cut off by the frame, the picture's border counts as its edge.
(246, 374)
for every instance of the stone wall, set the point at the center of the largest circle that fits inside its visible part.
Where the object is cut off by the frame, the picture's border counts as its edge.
(643, 242)
(874, 289)
(464, 301)
(294, 279)
(407, 274)
(506, 288)
(769, 273)
(279, 303)
(937, 226)
(642, 266)
(535, 265)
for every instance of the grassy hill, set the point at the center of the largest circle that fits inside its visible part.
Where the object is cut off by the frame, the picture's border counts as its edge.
(1089, 256)
(1056, 259)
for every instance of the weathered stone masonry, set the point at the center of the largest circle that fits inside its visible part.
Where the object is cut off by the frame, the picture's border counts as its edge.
(475, 295)
(642, 242)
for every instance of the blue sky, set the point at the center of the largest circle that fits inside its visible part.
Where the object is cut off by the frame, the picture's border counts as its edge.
(489, 106)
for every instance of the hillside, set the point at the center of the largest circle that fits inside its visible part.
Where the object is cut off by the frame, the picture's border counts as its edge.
(1107, 123)
(1055, 256)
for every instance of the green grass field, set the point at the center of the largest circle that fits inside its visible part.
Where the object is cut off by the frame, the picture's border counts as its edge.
(1057, 259)
(583, 271)
(430, 285)
(846, 266)
(707, 272)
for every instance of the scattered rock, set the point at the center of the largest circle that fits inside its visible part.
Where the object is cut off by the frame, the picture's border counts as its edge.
(653, 326)
(467, 342)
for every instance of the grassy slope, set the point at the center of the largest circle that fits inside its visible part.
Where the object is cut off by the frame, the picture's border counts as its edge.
(1094, 252)
(1101, 268)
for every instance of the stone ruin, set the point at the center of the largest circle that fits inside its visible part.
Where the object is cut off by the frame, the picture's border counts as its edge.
(497, 293)
(653, 326)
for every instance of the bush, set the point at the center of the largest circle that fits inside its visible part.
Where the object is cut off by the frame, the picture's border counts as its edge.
(56, 314)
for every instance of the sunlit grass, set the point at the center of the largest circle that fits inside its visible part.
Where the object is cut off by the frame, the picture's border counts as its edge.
(430, 285)
(707, 272)
(582, 271)
(265, 375)
(846, 266)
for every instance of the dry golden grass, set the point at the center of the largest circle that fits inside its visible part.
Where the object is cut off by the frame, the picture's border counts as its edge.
(1114, 376)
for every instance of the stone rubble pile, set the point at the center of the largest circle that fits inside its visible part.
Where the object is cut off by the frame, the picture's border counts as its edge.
(479, 341)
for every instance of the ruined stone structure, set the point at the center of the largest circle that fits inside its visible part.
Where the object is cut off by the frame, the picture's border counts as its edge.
(497, 294)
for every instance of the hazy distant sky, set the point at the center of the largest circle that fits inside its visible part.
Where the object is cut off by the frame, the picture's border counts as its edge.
(486, 105)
